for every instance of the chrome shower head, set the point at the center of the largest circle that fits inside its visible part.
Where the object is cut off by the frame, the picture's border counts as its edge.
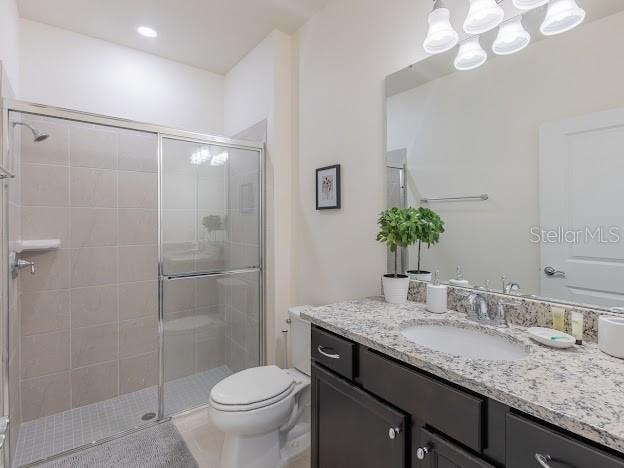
(37, 135)
(40, 136)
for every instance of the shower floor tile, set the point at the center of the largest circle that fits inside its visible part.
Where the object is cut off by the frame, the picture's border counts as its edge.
(57, 433)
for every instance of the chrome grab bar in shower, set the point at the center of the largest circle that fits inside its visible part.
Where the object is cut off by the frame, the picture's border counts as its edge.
(481, 197)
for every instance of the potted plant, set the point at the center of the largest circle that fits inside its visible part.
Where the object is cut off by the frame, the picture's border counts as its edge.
(211, 247)
(213, 223)
(398, 228)
(430, 226)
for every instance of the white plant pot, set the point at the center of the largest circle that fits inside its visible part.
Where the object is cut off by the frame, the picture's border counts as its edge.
(395, 289)
(422, 276)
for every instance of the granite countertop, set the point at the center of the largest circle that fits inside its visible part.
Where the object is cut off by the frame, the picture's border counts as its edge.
(579, 389)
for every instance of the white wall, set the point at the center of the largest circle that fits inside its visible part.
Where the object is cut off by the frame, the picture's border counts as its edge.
(9, 39)
(460, 140)
(345, 52)
(62, 68)
(248, 88)
(259, 89)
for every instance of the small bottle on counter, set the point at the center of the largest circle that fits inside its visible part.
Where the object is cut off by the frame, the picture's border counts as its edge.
(577, 326)
(437, 296)
(459, 278)
(558, 318)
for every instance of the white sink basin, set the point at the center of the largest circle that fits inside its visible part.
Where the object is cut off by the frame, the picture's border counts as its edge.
(465, 342)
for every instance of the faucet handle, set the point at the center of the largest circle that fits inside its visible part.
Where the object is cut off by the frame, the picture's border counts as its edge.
(501, 309)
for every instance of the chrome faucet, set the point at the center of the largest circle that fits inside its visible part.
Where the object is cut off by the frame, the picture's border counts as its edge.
(509, 288)
(477, 307)
(480, 312)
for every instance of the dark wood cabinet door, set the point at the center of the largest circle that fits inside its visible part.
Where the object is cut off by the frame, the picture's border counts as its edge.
(352, 429)
(528, 440)
(436, 451)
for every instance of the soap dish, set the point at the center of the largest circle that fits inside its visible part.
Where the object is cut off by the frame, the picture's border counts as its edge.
(551, 338)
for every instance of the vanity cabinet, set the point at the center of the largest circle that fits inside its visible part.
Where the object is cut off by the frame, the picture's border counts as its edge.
(372, 411)
(532, 444)
(439, 452)
(352, 429)
(450, 411)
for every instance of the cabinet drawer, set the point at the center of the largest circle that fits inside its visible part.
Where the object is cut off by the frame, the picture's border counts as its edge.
(333, 352)
(458, 414)
(439, 452)
(526, 440)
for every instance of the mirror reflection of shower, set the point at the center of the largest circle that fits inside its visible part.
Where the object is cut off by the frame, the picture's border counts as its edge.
(37, 135)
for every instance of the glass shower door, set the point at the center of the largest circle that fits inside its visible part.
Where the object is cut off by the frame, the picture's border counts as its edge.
(210, 267)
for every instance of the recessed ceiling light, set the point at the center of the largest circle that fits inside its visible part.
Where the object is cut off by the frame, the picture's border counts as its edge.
(147, 31)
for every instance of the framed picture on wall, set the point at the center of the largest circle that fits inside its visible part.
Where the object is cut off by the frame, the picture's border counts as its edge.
(328, 188)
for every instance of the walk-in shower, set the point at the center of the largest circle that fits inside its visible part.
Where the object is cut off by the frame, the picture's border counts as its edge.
(144, 285)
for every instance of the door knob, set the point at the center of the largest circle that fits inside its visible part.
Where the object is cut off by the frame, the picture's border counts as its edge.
(422, 452)
(393, 432)
(550, 271)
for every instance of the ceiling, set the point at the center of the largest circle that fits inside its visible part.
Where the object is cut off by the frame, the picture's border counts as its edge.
(210, 34)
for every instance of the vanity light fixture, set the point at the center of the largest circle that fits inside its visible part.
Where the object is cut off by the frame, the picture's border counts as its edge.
(471, 55)
(528, 4)
(561, 16)
(201, 156)
(483, 15)
(147, 31)
(441, 36)
(512, 37)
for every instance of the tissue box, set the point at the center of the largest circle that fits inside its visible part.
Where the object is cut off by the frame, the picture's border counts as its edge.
(611, 335)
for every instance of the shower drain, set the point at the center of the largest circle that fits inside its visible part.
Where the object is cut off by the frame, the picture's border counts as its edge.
(148, 416)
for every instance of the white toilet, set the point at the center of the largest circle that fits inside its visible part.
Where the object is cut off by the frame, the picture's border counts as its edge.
(260, 409)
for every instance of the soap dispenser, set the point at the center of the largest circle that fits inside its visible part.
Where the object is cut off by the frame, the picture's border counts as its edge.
(437, 296)
(459, 278)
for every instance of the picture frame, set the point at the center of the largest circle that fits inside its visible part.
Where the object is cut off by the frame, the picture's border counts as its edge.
(328, 187)
(246, 198)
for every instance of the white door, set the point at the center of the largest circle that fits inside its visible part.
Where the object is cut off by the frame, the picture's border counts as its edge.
(582, 200)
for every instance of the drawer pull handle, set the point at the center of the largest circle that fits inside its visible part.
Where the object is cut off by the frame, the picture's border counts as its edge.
(393, 432)
(543, 460)
(422, 452)
(328, 354)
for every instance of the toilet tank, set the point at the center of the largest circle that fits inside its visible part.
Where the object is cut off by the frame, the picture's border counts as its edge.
(300, 339)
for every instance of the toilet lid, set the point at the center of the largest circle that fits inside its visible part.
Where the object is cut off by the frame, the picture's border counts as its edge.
(252, 386)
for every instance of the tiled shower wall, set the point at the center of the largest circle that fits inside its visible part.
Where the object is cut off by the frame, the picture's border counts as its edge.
(241, 292)
(211, 321)
(89, 315)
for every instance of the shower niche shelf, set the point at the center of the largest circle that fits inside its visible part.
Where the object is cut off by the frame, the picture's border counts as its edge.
(36, 245)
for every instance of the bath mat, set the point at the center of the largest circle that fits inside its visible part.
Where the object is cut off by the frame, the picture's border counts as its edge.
(156, 447)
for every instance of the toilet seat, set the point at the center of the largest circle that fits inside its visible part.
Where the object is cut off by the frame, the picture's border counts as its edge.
(252, 389)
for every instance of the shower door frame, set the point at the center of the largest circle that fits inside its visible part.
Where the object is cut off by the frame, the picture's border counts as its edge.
(161, 132)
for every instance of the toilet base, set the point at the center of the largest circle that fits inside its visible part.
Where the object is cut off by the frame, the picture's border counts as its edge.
(264, 450)
(256, 451)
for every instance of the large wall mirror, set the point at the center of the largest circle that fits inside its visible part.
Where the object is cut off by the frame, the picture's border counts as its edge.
(541, 133)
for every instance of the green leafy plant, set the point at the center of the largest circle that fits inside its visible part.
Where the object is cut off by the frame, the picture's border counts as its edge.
(399, 227)
(212, 223)
(430, 226)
